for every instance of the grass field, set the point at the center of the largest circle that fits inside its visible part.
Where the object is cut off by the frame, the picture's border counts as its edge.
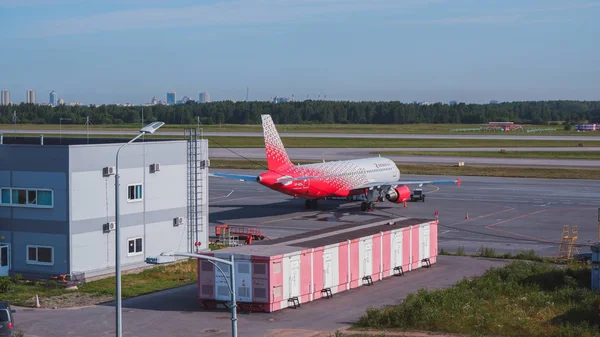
(313, 128)
(447, 170)
(520, 299)
(324, 142)
(147, 281)
(247, 142)
(507, 154)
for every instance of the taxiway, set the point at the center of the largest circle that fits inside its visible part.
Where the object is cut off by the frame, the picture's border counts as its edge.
(330, 154)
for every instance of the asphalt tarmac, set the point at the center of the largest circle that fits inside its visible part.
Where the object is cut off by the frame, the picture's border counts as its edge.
(506, 214)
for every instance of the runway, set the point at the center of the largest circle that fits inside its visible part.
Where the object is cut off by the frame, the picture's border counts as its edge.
(22, 130)
(506, 214)
(329, 154)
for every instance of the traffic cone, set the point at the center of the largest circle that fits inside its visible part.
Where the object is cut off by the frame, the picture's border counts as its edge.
(37, 301)
(467, 216)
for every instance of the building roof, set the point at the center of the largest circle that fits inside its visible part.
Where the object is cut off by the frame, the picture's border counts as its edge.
(321, 237)
(7, 139)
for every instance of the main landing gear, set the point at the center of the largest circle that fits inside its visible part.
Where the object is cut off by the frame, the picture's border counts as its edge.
(367, 206)
(311, 203)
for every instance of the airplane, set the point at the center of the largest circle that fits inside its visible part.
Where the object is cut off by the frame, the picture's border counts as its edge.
(376, 178)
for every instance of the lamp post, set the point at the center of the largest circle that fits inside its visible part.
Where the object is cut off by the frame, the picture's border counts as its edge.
(150, 128)
(230, 284)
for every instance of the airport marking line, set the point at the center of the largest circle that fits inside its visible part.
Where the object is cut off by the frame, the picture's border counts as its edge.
(485, 215)
(292, 218)
(530, 214)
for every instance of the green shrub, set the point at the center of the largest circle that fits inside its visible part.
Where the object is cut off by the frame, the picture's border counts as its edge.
(6, 284)
(519, 299)
(17, 278)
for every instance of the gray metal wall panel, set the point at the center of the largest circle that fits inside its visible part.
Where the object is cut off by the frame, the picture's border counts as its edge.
(128, 220)
(95, 157)
(19, 253)
(45, 158)
(35, 226)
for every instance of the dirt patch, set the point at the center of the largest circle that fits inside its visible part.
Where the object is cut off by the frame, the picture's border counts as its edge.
(70, 300)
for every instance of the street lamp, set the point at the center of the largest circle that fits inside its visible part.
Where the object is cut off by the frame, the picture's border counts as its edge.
(150, 128)
(162, 260)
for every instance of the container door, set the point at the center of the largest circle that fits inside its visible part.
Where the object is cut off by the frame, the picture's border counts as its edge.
(368, 260)
(223, 292)
(294, 279)
(243, 282)
(259, 282)
(398, 250)
(327, 271)
(4, 260)
(425, 244)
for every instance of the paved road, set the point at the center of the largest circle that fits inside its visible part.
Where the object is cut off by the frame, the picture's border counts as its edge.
(176, 313)
(507, 214)
(22, 130)
(319, 154)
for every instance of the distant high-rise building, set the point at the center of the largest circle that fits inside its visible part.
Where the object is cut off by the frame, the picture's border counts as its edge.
(204, 97)
(278, 99)
(493, 102)
(5, 97)
(31, 96)
(452, 102)
(53, 98)
(171, 96)
(61, 101)
(154, 100)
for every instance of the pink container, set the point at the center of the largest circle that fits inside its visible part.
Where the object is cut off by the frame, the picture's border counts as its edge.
(275, 274)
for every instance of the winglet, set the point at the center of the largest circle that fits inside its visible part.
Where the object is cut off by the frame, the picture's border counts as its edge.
(277, 157)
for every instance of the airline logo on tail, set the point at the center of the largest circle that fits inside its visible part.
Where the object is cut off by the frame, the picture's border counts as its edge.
(277, 157)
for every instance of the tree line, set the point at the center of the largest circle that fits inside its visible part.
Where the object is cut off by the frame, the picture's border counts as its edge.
(310, 112)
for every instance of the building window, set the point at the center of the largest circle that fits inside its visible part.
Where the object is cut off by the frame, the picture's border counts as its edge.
(134, 192)
(135, 246)
(27, 197)
(43, 255)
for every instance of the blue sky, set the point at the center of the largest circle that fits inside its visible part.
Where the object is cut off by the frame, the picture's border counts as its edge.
(105, 51)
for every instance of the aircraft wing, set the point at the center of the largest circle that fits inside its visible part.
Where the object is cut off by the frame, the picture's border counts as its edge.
(240, 177)
(393, 184)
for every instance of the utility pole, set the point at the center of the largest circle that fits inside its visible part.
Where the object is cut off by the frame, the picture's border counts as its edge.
(87, 127)
(15, 119)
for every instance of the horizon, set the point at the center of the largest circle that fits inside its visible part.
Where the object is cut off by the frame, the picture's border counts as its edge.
(118, 52)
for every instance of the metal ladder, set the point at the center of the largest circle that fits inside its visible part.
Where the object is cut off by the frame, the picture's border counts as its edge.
(195, 186)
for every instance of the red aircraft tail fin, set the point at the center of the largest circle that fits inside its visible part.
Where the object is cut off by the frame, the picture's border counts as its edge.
(277, 157)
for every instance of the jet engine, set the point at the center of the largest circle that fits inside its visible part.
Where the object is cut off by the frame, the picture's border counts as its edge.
(399, 194)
